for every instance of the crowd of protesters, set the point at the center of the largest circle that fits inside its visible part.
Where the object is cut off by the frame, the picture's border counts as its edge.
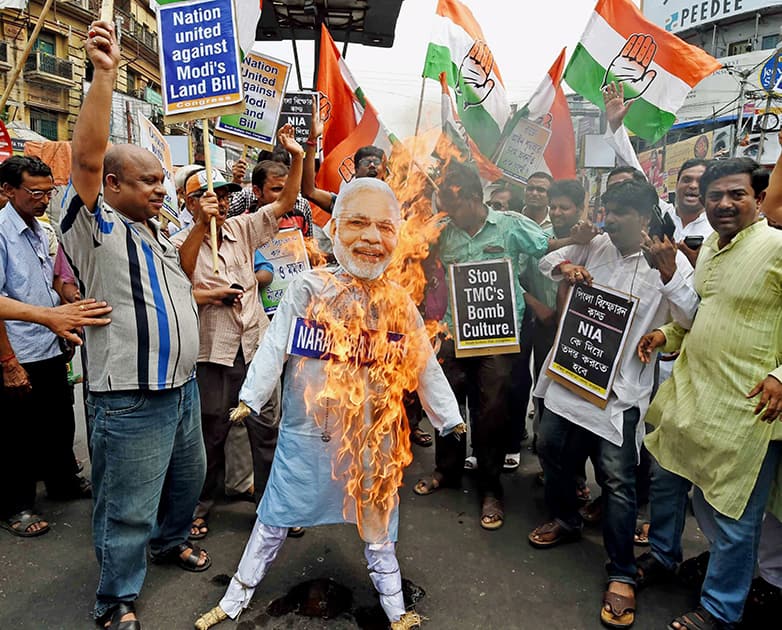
(168, 339)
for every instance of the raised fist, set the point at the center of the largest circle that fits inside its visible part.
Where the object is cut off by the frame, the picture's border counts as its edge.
(631, 65)
(475, 73)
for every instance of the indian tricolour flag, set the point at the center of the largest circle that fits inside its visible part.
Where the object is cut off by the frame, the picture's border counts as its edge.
(459, 49)
(656, 68)
(248, 12)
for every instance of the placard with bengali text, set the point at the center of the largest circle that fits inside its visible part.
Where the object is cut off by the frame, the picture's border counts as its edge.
(590, 339)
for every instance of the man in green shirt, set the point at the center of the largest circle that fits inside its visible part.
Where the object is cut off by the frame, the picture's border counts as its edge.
(476, 233)
(716, 418)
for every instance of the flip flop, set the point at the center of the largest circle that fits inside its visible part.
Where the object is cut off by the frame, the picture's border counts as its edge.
(190, 563)
(19, 523)
(425, 487)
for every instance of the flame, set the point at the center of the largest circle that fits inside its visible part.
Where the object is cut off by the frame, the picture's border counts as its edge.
(370, 370)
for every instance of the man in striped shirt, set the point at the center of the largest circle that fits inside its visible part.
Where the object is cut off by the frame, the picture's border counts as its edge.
(143, 398)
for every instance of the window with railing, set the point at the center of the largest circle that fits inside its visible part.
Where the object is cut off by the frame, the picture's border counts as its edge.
(44, 123)
(3, 52)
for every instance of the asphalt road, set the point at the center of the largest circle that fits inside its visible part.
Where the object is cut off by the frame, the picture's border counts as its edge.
(473, 579)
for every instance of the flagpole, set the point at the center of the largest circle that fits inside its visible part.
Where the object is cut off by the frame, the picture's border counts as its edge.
(25, 53)
(210, 188)
(417, 127)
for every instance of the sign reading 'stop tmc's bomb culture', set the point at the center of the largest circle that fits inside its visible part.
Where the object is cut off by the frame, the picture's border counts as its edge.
(590, 340)
(199, 58)
(483, 306)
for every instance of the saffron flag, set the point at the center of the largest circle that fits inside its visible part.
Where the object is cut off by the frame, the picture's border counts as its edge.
(341, 103)
(548, 107)
(459, 49)
(657, 68)
(454, 140)
(337, 166)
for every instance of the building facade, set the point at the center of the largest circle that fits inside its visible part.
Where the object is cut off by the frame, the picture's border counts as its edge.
(47, 96)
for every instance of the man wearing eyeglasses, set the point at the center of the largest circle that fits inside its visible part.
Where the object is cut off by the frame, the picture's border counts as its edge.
(231, 319)
(37, 438)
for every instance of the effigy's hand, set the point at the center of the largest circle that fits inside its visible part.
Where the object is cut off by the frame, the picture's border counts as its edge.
(239, 413)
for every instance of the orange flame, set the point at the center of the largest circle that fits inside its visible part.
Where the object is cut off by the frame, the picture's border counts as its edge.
(369, 371)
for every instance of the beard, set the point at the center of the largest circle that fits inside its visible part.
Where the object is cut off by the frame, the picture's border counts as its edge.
(358, 268)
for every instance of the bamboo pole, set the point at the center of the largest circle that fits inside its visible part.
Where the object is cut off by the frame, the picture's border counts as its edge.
(25, 53)
(210, 188)
(107, 11)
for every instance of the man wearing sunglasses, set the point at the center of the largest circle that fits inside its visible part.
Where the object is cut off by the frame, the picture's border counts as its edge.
(35, 395)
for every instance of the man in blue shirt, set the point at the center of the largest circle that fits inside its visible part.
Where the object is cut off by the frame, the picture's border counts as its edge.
(37, 438)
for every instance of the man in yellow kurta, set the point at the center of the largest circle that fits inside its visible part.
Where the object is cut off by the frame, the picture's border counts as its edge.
(716, 418)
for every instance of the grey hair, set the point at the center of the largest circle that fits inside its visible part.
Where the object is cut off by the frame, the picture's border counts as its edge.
(360, 185)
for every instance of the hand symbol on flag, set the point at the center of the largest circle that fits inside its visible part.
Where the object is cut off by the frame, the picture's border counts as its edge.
(631, 65)
(475, 73)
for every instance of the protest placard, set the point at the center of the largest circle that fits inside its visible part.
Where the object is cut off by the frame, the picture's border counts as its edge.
(264, 80)
(590, 340)
(154, 141)
(297, 111)
(199, 59)
(520, 153)
(483, 306)
(288, 254)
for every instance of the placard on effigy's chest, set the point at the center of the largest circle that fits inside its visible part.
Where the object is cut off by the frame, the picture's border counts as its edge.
(590, 340)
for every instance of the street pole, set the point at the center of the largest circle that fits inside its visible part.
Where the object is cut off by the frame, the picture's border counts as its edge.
(771, 88)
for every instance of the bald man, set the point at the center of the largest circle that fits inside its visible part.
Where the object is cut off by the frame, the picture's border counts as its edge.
(148, 461)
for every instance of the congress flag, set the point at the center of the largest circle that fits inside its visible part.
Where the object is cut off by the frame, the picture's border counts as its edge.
(657, 68)
(459, 49)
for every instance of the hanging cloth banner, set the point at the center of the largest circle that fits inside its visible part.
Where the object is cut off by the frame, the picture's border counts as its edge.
(264, 81)
(199, 59)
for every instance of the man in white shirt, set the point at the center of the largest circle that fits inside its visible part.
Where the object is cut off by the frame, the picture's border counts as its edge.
(571, 427)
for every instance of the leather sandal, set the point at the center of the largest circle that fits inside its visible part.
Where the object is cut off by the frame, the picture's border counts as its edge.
(190, 563)
(116, 613)
(560, 535)
(20, 523)
(698, 619)
(621, 610)
(492, 513)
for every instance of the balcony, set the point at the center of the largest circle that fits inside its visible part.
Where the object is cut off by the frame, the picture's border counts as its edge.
(41, 66)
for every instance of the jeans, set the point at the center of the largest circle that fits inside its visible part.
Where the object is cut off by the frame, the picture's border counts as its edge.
(563, 447)
(148, 466)
(734, 550)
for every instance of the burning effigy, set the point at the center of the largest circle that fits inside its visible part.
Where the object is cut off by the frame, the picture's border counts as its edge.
(351, 342)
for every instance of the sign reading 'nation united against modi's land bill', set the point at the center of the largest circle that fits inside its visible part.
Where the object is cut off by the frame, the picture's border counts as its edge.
(264, 80)
(199, 58)
(590, 339)
(483, 307)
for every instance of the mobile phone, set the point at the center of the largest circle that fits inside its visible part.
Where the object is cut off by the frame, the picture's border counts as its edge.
(693, 242)
(229, 301)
